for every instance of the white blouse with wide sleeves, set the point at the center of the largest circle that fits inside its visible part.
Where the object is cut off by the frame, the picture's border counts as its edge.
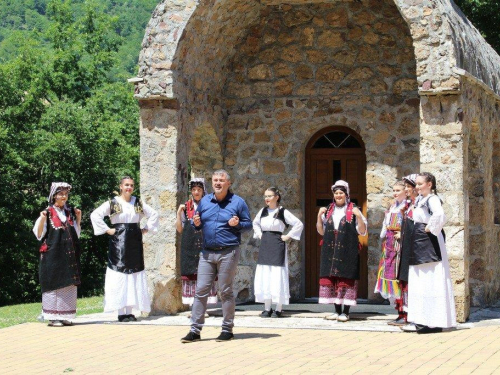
(271, 282)
(430, 292)
(121, 289)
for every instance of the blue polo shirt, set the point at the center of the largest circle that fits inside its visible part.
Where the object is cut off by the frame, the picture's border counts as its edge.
(215, 215)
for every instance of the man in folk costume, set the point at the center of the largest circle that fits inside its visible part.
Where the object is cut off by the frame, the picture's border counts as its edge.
(59, 256)
(191, 243)
(340, 224)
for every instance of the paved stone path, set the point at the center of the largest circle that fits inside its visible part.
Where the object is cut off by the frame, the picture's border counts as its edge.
(97, 344)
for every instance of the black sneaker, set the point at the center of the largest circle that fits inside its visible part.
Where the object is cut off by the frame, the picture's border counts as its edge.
(266, 314)
(132, 318)
(191, 337)
(225, 336)
(123, 318)
(276, 314)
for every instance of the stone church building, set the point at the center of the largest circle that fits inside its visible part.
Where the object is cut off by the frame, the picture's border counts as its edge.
(299, 93)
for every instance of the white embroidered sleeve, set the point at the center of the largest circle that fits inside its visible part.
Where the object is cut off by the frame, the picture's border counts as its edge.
(257, 230)
(438, 218)
(296, 224)
(35, 229)
(152, 215)
(97, 218)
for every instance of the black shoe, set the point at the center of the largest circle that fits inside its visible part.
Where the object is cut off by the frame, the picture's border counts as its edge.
(225, 336)
(276, 314)
(123, 318)
(132, 318)
(266, 314)
(191, 337)
(425, 329)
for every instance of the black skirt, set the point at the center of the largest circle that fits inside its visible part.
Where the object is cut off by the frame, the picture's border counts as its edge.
(125, 252)
(191, 245)
(272, 249)
(425, 246)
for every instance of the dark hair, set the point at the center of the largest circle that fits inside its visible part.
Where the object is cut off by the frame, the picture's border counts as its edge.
(193, 184)
(341, 188)
(121, 182)
(429, 177)
(126, 178)
(276, 191)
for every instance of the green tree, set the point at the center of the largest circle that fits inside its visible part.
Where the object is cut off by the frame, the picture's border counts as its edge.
(485, 15)
(62, 118)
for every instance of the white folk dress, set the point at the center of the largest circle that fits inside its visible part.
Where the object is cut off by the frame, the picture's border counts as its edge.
(59, 304)
(120, 289)
(430, 292)
(271, 282)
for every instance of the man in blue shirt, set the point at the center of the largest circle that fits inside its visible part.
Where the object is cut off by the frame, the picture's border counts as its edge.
(223, 216)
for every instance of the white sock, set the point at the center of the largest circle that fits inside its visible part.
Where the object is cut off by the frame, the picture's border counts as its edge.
(122, 311)
(267, 304)
(129, 310)
(279, 306)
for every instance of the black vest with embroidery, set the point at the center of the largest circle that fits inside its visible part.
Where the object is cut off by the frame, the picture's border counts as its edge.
(60, 263)
(340, 253)
(125, 251)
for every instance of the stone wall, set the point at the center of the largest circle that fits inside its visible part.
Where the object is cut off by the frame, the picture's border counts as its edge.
(301, 69)
(481, 116)
(259, 78)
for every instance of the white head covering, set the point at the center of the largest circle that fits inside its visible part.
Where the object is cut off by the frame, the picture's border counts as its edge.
(57, 187)
(343, 184)
(198, 180)
(411, 178)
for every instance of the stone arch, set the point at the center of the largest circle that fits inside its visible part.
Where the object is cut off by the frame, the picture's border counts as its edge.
(190, 73)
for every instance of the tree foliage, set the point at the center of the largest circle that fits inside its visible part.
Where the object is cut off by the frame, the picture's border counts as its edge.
(63, 117)
(485, 15)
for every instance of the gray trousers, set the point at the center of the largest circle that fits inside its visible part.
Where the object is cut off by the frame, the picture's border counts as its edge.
(224, 264)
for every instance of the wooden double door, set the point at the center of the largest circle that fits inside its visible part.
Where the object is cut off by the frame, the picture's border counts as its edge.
(324, 166)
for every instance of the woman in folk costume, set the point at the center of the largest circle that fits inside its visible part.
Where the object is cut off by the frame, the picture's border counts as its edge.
(431, 304)
(126, 285)
(191, 243)
(59, 269)
(271, 275)
(340, 224)
(387, 283)
(406, 244)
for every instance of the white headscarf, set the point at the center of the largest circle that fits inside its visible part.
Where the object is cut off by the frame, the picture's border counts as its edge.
(345, 185)
(411, 179)
(57, 187)
(198, 180)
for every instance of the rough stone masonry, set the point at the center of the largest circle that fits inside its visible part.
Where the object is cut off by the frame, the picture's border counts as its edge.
(245, 85)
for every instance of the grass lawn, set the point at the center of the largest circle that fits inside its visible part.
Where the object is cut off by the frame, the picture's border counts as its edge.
(17, 314)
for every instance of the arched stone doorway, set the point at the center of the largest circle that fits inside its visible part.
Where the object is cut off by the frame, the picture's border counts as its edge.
(269, 74)
(334, 153)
